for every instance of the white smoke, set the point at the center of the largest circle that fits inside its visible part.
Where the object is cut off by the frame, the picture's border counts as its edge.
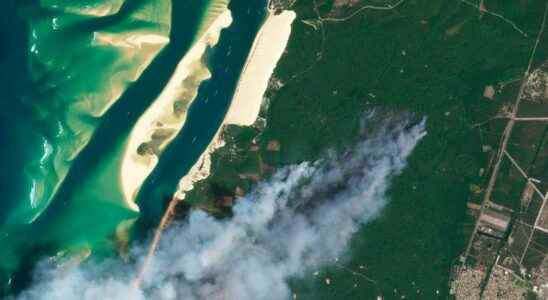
(299, 220)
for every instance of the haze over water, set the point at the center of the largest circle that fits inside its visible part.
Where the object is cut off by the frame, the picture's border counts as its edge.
(86, 211)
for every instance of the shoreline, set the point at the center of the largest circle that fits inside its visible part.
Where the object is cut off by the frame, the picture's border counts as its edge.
(266, 51)
(166, 116)
(202, 167)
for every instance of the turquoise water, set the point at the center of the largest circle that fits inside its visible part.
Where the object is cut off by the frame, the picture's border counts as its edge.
(225, 62)
(86, 209)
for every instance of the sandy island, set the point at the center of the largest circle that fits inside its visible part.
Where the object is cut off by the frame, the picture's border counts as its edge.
(163, 120)
(268, 47)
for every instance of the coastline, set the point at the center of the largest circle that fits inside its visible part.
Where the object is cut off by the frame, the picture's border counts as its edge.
(244, 108)
(266, 51)
(164, 119)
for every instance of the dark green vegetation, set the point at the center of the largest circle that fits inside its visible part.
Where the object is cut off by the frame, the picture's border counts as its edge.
(429, 58)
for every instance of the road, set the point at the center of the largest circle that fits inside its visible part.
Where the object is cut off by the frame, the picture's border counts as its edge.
(506, 134)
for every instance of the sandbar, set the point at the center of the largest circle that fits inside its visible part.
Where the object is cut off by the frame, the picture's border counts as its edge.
(163, 120)
(267, 49)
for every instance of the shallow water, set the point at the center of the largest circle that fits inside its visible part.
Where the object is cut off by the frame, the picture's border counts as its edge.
(60, 181)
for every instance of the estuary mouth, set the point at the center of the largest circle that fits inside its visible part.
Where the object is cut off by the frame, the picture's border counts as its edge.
(267, 240)
(273, 149)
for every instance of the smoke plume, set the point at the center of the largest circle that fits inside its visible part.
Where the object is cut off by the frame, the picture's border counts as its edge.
(300, 219)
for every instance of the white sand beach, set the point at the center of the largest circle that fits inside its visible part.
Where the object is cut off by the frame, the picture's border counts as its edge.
(267, 49)
(265, 53)
(161, 122)
(244, 109)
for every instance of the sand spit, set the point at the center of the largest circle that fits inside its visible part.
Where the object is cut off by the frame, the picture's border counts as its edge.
(163, 120)
(92, 8)
(244, 109)
(267, 49)
(214, 9)
(129, 40)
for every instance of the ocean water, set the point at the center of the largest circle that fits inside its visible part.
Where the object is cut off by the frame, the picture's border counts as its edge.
(67, 109)
(226, 60)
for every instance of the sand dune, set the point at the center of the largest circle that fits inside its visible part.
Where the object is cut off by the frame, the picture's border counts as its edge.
(161, 122)
(267, 49)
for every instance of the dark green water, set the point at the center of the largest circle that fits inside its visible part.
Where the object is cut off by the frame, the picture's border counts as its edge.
(225, 62)
(87, 208)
